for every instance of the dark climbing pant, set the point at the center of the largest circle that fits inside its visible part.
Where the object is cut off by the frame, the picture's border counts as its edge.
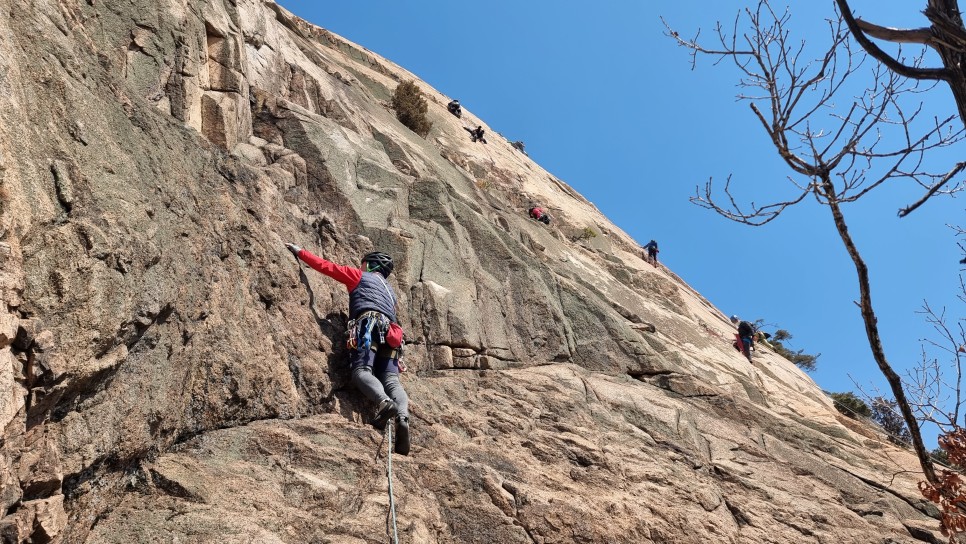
(746, 340)
(379, 386)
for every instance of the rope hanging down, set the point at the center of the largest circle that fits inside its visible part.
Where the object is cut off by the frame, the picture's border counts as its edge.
(392, 503)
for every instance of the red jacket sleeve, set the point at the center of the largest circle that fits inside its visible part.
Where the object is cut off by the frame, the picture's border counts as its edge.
(346, 275)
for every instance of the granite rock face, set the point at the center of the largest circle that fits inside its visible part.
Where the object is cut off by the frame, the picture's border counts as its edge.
(168, 373)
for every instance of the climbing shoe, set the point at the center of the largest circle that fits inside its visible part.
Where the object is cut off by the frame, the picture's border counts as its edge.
(387, 410)
(402, 436)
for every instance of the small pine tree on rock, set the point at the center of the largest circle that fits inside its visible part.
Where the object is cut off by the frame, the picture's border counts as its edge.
(411, 107)
(851, 405)
(885, 413)
(801, 359)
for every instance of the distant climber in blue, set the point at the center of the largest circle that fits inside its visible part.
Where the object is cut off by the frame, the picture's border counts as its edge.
(375, 337)
(652, 252)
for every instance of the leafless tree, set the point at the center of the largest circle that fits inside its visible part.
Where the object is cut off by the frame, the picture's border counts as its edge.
(960, 232)
(946, 35)
(844, 125)
(935, 386)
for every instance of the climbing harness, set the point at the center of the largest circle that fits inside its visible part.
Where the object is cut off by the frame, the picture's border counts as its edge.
(361, 328)
(392, 503)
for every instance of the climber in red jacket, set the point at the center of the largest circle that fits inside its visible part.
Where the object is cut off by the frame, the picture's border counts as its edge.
(537, 213)
(375, 338)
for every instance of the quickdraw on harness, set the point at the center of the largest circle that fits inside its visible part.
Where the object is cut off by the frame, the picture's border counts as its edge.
(361, 328)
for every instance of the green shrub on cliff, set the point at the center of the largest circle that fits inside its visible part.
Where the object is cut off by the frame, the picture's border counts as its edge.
(411, 107)
(585, 234)
(851, 405)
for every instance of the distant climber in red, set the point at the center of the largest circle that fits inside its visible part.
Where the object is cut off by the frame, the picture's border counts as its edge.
(537, 213)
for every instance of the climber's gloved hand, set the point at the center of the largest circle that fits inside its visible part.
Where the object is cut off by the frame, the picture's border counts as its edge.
(293, 248)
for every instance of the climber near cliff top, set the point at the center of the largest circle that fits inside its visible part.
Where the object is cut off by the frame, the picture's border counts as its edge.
(455, 108)
(375, 338)
(652, 251)
(761, 337)
(746, 332)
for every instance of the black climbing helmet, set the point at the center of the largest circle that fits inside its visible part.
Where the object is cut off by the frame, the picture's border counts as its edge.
(378, 261)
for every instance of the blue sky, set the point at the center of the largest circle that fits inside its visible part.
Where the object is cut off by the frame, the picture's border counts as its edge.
(609, 104)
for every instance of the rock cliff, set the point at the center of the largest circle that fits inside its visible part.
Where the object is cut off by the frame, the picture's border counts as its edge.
(168, 373)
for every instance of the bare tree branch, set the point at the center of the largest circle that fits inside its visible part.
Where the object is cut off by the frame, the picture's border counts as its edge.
(802, 118)
(946, 36)
(872, 332)
(933, 190)
(916, 35)
(876, 52)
